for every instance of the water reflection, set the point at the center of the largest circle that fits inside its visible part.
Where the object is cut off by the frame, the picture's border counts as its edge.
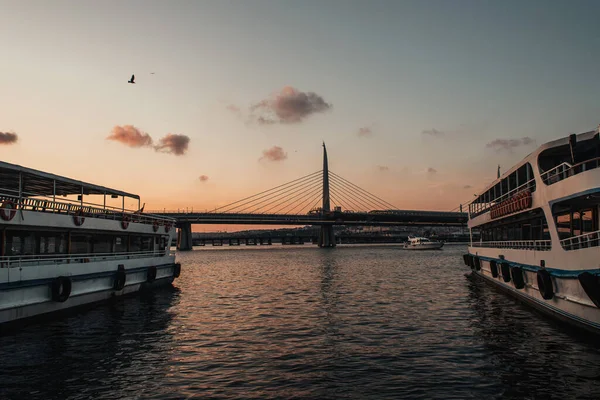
(351, 322)
(529, 353)
(83, 355)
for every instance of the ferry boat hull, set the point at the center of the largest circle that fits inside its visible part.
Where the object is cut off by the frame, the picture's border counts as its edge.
(63, 246)
(25, 299)
(569, 303)
(535, 230)
(424, 246)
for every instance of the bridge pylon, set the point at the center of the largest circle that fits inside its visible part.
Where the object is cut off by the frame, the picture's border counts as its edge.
(184, 236)
(326, 234)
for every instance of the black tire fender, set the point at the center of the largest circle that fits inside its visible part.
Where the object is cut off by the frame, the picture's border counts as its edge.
(544, 281)
(120, 278)
(494, 268)
(505, 268)
(518, 279)
(151, 274)
(591, 285)
(61, 289)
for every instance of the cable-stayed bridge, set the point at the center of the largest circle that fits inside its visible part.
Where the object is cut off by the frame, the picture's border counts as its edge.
(321, 198)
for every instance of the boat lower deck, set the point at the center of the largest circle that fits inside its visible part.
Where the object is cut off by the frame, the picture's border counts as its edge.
(557, 294)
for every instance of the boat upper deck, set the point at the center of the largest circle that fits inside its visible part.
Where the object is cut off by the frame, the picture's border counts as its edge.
(551, 163)
(30, 189)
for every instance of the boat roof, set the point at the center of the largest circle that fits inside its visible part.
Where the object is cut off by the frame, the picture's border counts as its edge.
(553, 143)
(39, 183)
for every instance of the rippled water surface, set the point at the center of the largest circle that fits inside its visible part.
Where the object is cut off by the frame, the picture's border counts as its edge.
(362, 322)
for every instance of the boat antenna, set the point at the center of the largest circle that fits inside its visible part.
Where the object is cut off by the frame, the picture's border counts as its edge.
(498, 171)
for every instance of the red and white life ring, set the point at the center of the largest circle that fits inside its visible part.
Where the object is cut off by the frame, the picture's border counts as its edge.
(125, 221)
(78, 217)
(8, 210)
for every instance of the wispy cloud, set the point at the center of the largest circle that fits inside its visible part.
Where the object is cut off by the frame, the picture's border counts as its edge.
(432, 132)
(431, 170)
(467, 187)
(288, 106)
(383, 168)
(275, 153)
(509, 144)
(365, 132)
(462, 130)
(203, 178)
(8, 138)
(130, 136)
(173, 143)
(234, 109)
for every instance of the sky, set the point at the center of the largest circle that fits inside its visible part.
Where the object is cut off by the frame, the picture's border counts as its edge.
(417, 101)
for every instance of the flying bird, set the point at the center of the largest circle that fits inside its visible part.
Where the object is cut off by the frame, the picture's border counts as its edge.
(132, 80)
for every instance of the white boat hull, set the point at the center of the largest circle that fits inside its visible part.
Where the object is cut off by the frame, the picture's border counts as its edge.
(569, 302)
(425, 246)
(26, 292)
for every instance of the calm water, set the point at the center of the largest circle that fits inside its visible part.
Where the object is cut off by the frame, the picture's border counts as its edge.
(281, 322)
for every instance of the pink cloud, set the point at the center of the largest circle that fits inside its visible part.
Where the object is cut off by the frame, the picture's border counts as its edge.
(275, 153)
(130, 136)
(288, 106)
(173, 143)
(8, 138)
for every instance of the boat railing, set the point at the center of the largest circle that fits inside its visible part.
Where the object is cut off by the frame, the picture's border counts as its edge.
(481, 208)
(26, 260)
(67, 206)
(565, 170)
(591, 239)
(537, 245)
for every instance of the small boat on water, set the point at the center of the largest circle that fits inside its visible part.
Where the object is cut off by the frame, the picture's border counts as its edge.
(421, 243)
(62, 246)
(539, 226)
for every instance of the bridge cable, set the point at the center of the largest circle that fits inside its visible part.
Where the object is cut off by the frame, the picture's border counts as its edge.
(353, 205)
(282, 197)
(364, 191)
(357, 200)
(373, 204)
(304, 202)
(305, 188)
(319, 198)
(357, 196)
(269, 196)
(316, 194)
(266, 193)
(299, 202)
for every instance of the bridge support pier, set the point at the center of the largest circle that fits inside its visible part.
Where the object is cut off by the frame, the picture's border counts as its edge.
(326, 236)
(184, 236)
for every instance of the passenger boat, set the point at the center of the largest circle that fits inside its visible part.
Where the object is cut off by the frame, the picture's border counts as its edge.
(539, 230)
(421, 243)
(61, 246)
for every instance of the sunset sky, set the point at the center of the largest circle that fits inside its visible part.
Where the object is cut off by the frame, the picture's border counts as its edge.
(417, 101)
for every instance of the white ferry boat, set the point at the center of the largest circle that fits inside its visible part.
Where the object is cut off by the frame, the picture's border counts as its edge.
(421, 243)
(61, 246)
(540, 234)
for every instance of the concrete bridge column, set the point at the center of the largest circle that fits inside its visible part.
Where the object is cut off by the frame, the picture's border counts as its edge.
(326, 236)
(184, 236)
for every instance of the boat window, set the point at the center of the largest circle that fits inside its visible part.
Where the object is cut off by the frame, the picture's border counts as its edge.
(53, 243)
(120, 244)
(518, 181)
(528, 226)
(576, 217)
(147, 243)
(102, 244)
(560, 162)
(81, 243)
(135, 243)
